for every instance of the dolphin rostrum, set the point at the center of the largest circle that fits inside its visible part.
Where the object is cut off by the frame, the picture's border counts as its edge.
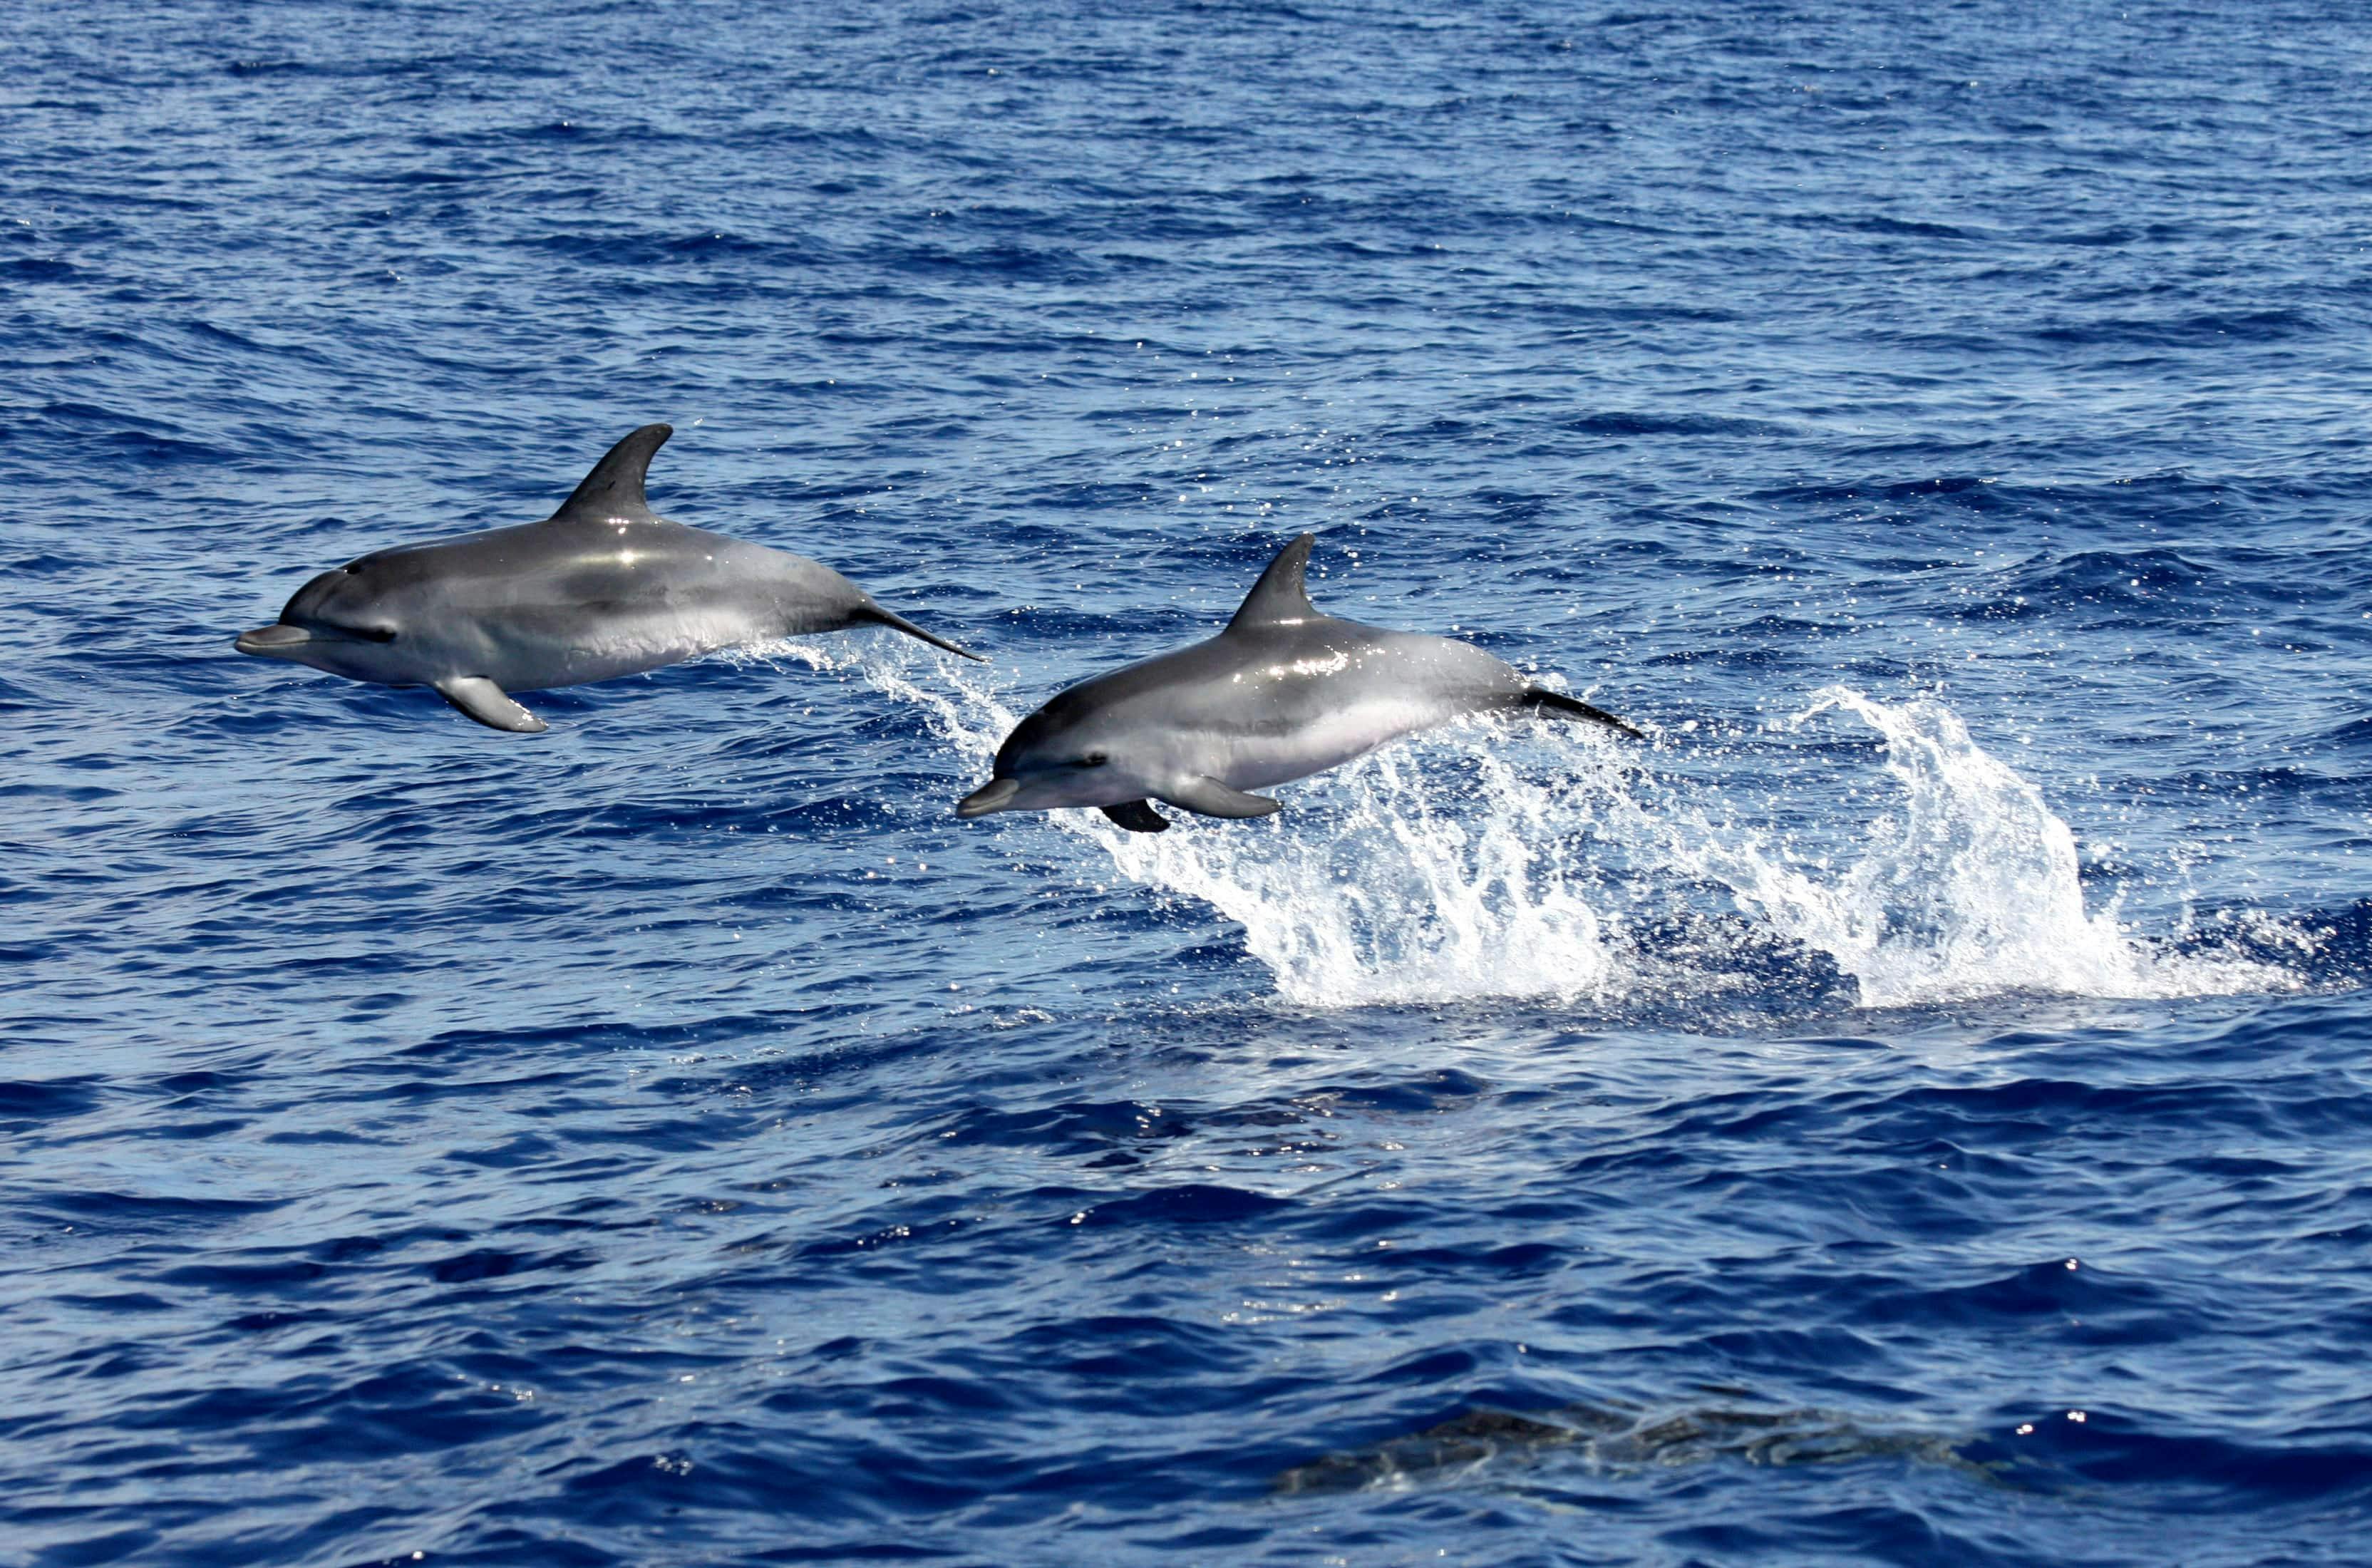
(1283, 692)
(604, 587)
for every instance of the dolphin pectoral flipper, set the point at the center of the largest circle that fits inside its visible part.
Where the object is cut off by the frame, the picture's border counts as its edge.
(1138, 817)
(488, 703)
(1212, 799)
(1557, 703)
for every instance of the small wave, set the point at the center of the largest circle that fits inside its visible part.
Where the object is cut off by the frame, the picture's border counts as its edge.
(1632, 422)
(1880, 224)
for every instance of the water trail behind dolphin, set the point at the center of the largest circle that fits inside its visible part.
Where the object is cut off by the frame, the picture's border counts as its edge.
(1514, 859)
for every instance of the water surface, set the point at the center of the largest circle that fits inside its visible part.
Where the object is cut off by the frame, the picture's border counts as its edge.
(1912, 1109)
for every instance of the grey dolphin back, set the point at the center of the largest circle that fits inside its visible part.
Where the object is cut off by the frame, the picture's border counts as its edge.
(1280, 599)
(613, 490)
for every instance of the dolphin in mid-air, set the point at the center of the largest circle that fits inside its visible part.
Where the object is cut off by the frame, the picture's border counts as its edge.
(604, 587)
(1283, 692)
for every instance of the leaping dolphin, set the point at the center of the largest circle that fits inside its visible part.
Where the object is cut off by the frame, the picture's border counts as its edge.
(604, 587)
(1283, 692)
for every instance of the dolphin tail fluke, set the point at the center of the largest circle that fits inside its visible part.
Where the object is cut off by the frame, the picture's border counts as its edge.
(613, 490)
(1211, 799)
(1138, 817)
(488, 703)
(1557, 703)
(881, 617)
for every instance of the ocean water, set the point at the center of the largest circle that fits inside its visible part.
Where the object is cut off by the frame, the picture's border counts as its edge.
(1913, 1108)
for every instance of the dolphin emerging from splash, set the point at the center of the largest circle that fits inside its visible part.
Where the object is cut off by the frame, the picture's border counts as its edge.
(604, 587)
(1283, 692)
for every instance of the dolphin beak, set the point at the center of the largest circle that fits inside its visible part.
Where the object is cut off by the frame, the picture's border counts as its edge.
(990, 797)
(273, 642)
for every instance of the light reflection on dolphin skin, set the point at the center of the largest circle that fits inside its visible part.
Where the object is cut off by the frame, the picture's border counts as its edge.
(1283, 692)
(604, 587)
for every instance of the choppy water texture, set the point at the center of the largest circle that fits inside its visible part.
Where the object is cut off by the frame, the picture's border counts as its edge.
(1913, 1110)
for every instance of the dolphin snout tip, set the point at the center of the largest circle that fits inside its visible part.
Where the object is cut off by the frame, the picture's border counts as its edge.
(990, 797)
(266, 640)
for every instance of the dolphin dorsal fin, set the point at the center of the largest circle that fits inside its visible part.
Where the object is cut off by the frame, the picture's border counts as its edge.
(613, 490)
(1279, 598)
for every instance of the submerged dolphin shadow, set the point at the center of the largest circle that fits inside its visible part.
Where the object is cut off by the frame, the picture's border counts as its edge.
(1613, 1437)
(604, 587)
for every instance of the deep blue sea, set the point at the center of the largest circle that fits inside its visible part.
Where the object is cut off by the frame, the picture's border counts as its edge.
(1914, 1108)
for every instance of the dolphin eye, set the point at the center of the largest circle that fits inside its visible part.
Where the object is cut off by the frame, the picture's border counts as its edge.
(1094, 760)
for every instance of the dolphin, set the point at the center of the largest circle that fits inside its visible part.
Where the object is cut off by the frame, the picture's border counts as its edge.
(604, 587)
(1283, 692)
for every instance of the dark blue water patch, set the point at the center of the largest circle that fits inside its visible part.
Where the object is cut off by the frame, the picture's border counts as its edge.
(41, 270)
(1880, 223)
(2107, 1446)
(1669, 425)
(1193, 1204)
(25, 1105)
(608, 247)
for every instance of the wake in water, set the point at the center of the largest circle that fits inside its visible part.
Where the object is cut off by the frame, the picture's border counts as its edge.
(1483, 861)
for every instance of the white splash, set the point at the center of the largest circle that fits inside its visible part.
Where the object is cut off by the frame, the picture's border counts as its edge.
(1507, 860)
(1970, 890)
(1386, 884)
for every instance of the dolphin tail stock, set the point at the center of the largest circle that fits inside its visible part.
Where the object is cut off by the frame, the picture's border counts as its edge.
(1542, 700)
(880, 617)
(482, 700)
